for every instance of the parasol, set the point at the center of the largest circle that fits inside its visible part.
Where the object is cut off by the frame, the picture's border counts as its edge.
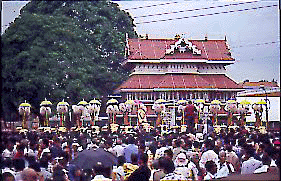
(94, 101)
(261, 102)
(83, 103)
(160, 101)
(245, 102)
(200, 101)
(181, 102)
(88, 158)
(112, 101)
(216, 102)
(46, 103)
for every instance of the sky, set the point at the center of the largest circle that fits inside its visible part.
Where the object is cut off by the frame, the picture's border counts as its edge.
(251, 28)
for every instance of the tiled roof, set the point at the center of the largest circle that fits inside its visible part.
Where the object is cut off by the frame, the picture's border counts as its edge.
(179, 81)
(258, 84)
(142, 49)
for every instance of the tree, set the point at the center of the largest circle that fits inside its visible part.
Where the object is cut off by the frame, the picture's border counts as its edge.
(68, 50)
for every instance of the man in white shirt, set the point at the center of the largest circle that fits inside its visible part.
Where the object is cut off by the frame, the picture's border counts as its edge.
(250, 164)
(118, 149)
(209, 155)
(225, 167)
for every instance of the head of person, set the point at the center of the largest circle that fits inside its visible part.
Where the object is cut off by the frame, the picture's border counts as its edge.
(143, 158)
(100, 169)
(168, 154)
(29, 174)
(134, 158)
(167, 165)
(181, 160)
(121, 160)
(211, 167)
(222, 156)
(19, 164)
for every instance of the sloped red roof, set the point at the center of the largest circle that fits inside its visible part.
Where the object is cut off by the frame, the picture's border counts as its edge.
(175, 81)
(142, 49)
(258, 84)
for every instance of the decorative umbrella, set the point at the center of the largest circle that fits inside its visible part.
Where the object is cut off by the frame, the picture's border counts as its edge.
(160, 101)
(94, 101)
(112, 101)
(181, 102)
(88, 158)
(83, 103)
(231, 101)
(200, 101)
(132, 102)
(245, 102)
(216, 102)
(46, 103)
(25, 104)
(261, 102)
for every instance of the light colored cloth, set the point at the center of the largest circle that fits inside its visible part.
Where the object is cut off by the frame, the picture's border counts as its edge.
(249, 166)
(174, 176)
(118, 150)
(100, 178)
(7, 154)
(160, 152)
(209, 155)
(194, 168)
(131, 148)
(185, 171)
(224, 170)
(263, 169)
(209, 176)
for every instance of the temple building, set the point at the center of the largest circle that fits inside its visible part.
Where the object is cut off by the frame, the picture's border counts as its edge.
(179, 68)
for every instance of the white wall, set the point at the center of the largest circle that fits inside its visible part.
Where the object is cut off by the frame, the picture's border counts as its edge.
(274, 111)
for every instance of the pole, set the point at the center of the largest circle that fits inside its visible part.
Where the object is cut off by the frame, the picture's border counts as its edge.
(266, 112)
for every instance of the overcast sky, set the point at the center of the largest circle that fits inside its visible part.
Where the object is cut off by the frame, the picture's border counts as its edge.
(252, 29)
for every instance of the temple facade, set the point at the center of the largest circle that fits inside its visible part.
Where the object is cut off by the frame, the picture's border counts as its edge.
(176, 69)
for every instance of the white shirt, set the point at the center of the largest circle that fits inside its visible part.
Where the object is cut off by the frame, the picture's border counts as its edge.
(208, 156)
(263, 169)
(118, 150)
(224, 170)
(209, 176)
(249, 166)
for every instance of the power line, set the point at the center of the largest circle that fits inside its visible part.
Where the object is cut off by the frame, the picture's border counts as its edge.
(210, 14)
(196, 9)
(151, 5)
(257, 44)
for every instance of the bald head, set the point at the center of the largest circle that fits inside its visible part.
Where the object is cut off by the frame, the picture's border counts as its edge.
(29, 174)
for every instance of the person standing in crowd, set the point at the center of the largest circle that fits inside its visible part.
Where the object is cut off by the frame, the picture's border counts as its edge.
(143, 172)
(232, 158)
(130, 149)
(226, 168)
(181, 165)
(179, 143)
(250, 164)
(209, 154)
(189, 114)
(211, 170)
(169, 169)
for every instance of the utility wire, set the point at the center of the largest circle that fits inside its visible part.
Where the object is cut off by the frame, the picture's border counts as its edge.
(151, 5)
(197, 9)
(210, 14)
(257, 44)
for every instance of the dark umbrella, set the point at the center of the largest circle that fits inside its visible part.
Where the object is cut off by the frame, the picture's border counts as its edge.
(88, 158)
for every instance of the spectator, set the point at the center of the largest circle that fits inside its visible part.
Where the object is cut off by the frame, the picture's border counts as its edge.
(169, 168)
(189, 114)
(143, 172)
(130, 148)
(211, 170)
(250, 164)
(226, 168)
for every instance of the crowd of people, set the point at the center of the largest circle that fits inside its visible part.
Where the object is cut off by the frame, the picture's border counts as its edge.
(51, 155)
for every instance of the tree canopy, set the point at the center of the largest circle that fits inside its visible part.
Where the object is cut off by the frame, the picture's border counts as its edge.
(68, 50)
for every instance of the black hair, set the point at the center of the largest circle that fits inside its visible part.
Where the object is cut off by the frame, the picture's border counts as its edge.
(143, 157)
(19, 164)
(166, 164)
(121, 160)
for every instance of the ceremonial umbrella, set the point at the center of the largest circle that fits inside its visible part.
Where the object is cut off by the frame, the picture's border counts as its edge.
(160, 101)
(245, 102)
(261, 102)
(200, 101)
(46, 103)
(88, 158)
(181, 102)
(216, 102)
(112, 101)
(83, 103)
(95, 102)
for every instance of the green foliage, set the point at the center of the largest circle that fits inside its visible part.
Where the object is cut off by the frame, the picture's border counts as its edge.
(57, 49)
